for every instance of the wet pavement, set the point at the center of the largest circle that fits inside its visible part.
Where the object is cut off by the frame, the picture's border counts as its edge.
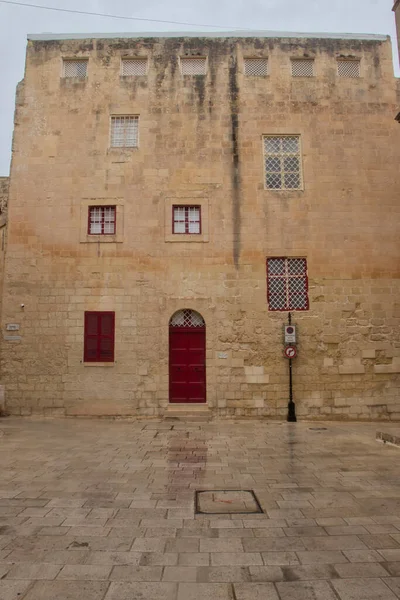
(102, 509)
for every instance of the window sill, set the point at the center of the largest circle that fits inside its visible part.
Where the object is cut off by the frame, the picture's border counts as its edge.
(113, 239)
(98, 364)
(187, 237)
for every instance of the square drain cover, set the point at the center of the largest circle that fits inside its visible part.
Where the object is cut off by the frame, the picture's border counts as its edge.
(215, 502)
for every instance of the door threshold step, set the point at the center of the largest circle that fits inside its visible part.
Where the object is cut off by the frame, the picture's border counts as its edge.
(186, 412)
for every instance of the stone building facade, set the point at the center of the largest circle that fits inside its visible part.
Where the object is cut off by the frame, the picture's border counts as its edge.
(154, 182)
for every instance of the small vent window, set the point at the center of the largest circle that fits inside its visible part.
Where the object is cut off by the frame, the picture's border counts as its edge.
(302, 68)
(282, 162)
(125, 132)
(75, 68)
(193, 66)
(256, 67)
(349, 68)
(133, 67)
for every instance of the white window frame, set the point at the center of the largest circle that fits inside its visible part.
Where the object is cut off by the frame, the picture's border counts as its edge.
(300, 156)
(113, 119)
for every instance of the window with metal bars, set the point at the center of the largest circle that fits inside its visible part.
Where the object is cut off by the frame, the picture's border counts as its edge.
(187, 318)
(349, 68)
(99, 336)
(131, 67)
(287, 284)
(282, 160)
(302, 67)
(193, 65)
(256, 67)
(186, 219)
(75, 68)
(125, 131)
(101, 220)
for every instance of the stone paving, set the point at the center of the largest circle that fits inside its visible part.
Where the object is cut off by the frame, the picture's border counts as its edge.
(104, 510)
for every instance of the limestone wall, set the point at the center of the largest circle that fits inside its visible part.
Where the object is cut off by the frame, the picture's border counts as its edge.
(201, 142)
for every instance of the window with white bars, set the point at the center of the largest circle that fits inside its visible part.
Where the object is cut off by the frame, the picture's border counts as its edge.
(101, 220)
(75, 68)
(256, 67)
(349, 68)
(282, 159)
(187, 318)
(133, 67)
(302, 67)
(186, 219)
(193, 66)
(125, 131)
(287, 284)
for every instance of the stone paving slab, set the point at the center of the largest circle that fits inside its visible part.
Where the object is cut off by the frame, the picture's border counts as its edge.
(105, 510)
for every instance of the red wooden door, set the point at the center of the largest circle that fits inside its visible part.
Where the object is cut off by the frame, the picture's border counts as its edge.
(187, 365)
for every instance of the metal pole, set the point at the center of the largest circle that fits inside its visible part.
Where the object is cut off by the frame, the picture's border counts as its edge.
(291, 416)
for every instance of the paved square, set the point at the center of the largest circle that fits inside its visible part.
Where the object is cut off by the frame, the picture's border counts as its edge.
(105, 509)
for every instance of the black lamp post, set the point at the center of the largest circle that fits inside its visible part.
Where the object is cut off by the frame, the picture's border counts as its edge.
(291, 416)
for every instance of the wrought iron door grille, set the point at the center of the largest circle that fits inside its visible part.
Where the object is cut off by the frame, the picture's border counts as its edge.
(187, 318)
(125, 132)
(256, 67)
(193, 66)
(302, 68)
(282, 162)
(133, 67)
(75, 68)
(287, 284)
(349, 68)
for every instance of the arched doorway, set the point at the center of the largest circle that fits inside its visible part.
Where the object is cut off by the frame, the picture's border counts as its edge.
(187, 357)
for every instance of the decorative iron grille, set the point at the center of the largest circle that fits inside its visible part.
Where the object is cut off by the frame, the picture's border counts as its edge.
(349, 68)
(75, 68)
(282, 162)
(187, 318)
(256, 67)
(125, 132)
(193, 66)
(302, 67)
(131, 67)
(287, 284)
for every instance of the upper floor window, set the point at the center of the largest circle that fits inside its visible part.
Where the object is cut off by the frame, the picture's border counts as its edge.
(193, 65)
(131, 67)
(125, 131)
(186, 219)
(75, 68)
(303, 67)
(287, 284)
(349, 68)
(282, 160)
(101, 220)
(256, 67)
(99, 336)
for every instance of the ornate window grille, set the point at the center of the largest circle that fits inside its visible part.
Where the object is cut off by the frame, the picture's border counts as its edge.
(187, 318)
(131, 67)
(75, 68)
(193, 66)
(349, 68)
(187, 219)
(282, 162)
(256, 67)
(125, 132)
(287, 284)
(101, 220)
(302, 67)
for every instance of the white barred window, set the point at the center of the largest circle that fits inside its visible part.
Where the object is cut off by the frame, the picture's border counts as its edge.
(282, 161)
(287, 284)
(101, 220)
(125, 132)
(186, 219)
(256, 67)
(349, 68)
(75, 68)
(131, 67)
(193, 66)
(302, 67)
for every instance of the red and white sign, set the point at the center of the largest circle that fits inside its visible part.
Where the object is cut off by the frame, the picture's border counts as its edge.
(290, 352)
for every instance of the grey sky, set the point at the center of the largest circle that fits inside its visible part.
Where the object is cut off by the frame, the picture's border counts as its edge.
(355, 16)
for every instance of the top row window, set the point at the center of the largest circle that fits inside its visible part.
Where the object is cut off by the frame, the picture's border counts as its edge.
(253, 67)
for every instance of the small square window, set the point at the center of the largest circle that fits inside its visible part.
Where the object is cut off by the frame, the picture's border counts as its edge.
(287, 284)
(302, 67)
(256, 67)
(102, 220)
(193, 66)
(125, 131)
(282, 162)
(99, 336)
(186, 219)
(349, 68)
(133, 67)
(75, 68)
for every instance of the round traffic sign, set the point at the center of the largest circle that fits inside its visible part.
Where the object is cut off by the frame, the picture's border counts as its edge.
(290, 352)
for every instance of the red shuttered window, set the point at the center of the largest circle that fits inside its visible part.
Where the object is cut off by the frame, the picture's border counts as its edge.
(287, 284)
(99, 337)
(186, 219)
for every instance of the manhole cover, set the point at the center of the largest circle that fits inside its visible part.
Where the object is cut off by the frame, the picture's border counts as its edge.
(227, 502)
